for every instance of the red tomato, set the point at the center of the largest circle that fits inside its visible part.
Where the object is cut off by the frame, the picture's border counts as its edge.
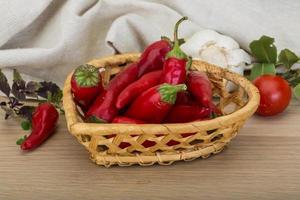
(275, 94)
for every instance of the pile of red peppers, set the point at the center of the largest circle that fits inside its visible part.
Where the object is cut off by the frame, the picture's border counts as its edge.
(158, 88)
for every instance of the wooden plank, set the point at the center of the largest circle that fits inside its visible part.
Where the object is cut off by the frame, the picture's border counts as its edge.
(263, 162)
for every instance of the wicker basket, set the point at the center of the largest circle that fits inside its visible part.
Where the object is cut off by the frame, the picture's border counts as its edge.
(192, 140)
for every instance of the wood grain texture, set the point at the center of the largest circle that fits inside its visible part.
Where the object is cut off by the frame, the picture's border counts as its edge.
(262, 162)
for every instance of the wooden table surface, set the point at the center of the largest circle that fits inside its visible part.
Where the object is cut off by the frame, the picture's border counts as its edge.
(262, 162)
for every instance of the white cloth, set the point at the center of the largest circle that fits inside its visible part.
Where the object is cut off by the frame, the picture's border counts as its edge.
(48, 38)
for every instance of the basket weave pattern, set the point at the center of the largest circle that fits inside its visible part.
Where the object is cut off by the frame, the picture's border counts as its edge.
(171, 142)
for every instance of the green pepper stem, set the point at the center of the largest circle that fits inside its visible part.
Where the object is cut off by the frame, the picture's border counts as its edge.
(169, 92)
(176, 43)
(179, 87)
(176, 51)
(87, 75)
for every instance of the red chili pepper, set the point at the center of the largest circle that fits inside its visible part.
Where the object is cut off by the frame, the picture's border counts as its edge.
(43, 124)
(136, 88)
(126, 120)
(186, 113)
(153, 56)
(104, 109)
(86, 85)
(185, 98)
(174, 71)
(200, 87)
(154, 104)
(175, 67)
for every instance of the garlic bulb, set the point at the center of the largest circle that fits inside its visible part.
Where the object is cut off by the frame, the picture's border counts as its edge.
(218, 49)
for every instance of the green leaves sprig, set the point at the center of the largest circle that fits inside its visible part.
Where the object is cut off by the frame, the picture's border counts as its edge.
(21, 91)
(287, 58)
(265, 52)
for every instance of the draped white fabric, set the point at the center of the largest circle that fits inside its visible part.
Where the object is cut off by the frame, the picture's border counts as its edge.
(48, 38)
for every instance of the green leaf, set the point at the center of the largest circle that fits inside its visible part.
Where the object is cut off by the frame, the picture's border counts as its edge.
(55, 97)
(4, 86)
(21, 140)
(295, 81)
(26, 125)
(264, 50)
(17, 76)
(287, 58)
(297, 91)
(259, 69)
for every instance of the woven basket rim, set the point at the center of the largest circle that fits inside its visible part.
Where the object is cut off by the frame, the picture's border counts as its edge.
(76, 127)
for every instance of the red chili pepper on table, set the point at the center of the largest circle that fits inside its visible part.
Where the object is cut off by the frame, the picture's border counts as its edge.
(103, 109)
(136, 88)
(186, 113)
(43, 124)
(154, 104)
(86, 85)
(200, 87)
(175, 67)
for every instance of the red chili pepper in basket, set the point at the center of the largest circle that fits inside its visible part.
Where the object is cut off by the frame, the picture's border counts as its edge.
(154, 104)
(43, 124)
(175, 67)
(185, 98)
(86, 85)
(186, 113)
(153, 56)
(104, 109)
(126, 120)
(200, 87)
(136, 88)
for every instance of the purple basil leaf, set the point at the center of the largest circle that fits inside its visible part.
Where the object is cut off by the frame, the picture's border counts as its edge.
(18, 92)
(46, 87)
(26, 112)
(19, 104)
(13, 102)
(31, 89)
(18, 87)
(4, 86)
(32, 86)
